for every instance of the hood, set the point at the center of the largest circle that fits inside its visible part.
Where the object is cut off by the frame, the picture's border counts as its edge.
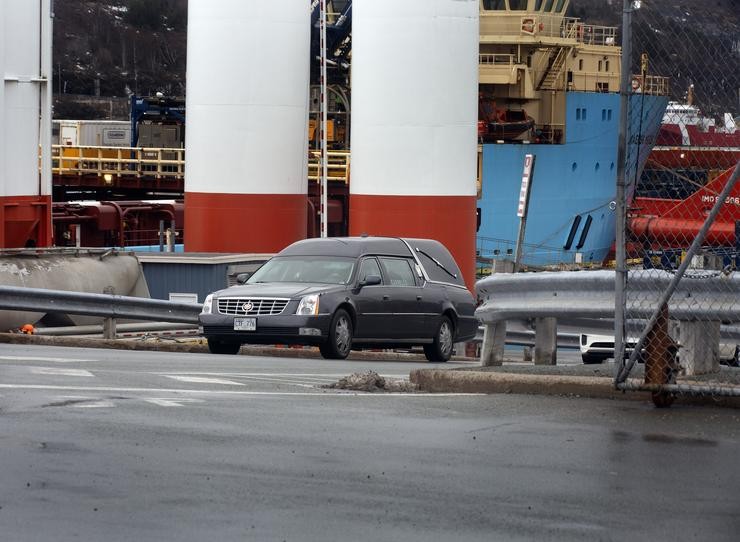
(278, 289)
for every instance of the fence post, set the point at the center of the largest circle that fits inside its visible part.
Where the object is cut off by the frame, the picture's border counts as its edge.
(699, 346)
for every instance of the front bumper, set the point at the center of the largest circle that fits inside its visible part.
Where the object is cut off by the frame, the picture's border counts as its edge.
(275, 329)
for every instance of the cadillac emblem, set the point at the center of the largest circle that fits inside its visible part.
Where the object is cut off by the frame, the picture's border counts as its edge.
(247, 306)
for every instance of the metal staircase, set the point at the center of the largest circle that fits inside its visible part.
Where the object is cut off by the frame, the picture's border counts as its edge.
(552, 80)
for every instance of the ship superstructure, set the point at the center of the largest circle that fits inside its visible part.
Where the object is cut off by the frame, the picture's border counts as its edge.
(560, 77)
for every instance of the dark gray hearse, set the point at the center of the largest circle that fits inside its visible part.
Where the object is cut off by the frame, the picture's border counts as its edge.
(347, 293)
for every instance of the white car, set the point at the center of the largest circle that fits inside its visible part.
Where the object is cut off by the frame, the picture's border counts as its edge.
(599, 348)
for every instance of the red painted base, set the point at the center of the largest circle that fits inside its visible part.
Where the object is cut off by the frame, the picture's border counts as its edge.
(25, 221)
(448, 219)
(251, 223)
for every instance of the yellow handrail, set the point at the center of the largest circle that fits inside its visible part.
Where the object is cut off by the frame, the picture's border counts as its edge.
(109, 162)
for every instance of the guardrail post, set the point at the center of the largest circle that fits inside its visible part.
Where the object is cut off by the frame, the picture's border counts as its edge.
(109, 328)
(527, 354)
(494, 340)
(546, 341)
(699, 353)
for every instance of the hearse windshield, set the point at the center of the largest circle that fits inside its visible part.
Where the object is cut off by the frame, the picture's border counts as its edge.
(313, 269)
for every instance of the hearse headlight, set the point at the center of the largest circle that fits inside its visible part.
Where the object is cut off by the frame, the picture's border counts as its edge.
(207, 305)
(309, 305)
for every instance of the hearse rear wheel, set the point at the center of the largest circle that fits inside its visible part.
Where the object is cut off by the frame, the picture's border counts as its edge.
(441, 349)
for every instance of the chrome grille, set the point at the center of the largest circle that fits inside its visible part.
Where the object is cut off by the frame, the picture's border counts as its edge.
(251, 306)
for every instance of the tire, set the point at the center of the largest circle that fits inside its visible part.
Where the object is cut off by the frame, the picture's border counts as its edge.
(339, 342)
(221, 347)
(593, 359)
(441, 349)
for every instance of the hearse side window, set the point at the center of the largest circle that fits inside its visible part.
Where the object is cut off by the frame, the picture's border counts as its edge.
(369, 266)
(400, 272)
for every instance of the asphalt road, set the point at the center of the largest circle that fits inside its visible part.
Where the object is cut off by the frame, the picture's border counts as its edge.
(118, 445)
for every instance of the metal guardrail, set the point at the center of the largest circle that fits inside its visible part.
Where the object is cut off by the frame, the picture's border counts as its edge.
(108, 306)
(590, 294)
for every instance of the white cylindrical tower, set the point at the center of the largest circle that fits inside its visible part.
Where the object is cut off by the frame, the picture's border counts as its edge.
(247, 125)
(25, 123)
(414, 122)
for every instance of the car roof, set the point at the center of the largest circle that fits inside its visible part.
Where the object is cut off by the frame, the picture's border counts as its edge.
(347, 246)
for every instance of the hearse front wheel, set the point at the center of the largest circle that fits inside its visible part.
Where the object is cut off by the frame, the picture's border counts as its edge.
(339, 342)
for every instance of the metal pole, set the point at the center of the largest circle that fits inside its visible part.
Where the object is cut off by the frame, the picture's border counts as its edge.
(698, 240)
(620, 287)
(161, 235)
(324, 121)
(527, 177)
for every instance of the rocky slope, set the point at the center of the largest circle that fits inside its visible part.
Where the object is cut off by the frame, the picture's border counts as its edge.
(119, 47)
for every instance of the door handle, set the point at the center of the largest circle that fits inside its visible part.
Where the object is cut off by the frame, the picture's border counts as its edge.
(386, 297)
(418, 298)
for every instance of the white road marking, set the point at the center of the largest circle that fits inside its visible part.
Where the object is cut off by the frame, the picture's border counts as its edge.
(204, 380)
(176, 402)
(326, 393)
(52, 360)
(96, 404)
(61, 372)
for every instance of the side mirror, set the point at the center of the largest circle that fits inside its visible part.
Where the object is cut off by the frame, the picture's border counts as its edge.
(371, 280)
(242, 278)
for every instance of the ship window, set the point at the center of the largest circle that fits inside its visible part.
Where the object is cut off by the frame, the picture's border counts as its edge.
(548, 5)
(580, 64)
(603, 114)
(607, 65)
(494, 4)
(538, 5)
(578, 113)
(561, 3)
(599, 65)
(602, 87)
(584, 233)
(583, 113)
(609, 114)
(517, 5)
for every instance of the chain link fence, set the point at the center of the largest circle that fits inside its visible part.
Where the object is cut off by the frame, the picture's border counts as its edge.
(678, 237)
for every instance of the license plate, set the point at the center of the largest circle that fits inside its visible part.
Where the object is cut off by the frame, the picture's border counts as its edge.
(245, 324)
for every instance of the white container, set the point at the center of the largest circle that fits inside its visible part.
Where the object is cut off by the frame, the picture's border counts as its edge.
(92, 133)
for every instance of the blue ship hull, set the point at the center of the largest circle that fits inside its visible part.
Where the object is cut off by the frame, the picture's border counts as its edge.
(572, 210)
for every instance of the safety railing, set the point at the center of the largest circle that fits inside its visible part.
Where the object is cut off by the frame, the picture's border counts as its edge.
(538, 25)
(338, 166)
(589, 296)
(490, 59)
(110, 307)
(110, 162)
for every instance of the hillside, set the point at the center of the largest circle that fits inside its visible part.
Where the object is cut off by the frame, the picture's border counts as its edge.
(121, 47)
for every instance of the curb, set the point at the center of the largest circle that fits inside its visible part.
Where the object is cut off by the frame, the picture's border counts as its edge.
(436, 381)
(593, 387)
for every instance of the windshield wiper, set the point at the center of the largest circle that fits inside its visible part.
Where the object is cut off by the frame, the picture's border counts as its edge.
(437, 262)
